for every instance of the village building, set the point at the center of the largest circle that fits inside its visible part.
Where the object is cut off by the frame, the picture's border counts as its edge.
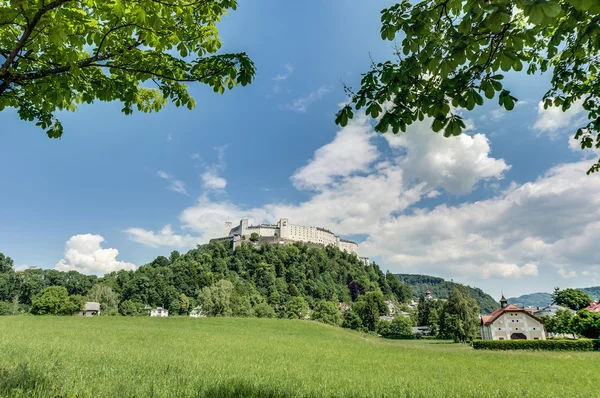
(284, 232)
(594, 307)
(91, 308)
(392, 310)
(196, 312)
(549, 310)
(510, 322)
(159, 311)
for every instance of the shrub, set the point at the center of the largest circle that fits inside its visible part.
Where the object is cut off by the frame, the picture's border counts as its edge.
(549, 345)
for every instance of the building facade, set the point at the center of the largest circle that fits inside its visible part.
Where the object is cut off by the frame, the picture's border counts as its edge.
(159, 312)
(284, 232)
(510, 322)
(91, 308)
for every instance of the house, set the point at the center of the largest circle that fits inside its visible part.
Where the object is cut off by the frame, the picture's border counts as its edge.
(343, 307)
(422, 330)
(91, 308)
(196, 312)
(510, 322)
(159, 311)
(594, 307)
(550, 310)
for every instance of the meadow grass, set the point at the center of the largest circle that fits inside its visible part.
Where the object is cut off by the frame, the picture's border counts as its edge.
(229, 357)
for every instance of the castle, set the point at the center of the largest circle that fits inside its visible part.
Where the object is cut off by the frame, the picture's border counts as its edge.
(283, 232)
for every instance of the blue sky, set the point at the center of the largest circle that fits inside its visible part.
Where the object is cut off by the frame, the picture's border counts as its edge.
(507, 207)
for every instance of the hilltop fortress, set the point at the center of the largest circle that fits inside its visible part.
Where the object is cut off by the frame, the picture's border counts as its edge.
(283, 232)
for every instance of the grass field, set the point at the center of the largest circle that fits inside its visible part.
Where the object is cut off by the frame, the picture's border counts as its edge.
(227, 357)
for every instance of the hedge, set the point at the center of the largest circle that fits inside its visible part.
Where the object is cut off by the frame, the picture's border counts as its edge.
(549, 345)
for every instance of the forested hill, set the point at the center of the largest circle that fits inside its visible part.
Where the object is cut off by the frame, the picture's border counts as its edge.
(264, 279)
(542, 299)
(440, 288)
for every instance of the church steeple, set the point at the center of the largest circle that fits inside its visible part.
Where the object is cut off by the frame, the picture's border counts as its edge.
(503, 301)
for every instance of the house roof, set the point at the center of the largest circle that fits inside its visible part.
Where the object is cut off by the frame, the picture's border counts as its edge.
(92, 306)
(489, 319)
(594, 307)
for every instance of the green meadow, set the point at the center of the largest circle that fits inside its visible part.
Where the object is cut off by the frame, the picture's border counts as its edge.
(236, 357)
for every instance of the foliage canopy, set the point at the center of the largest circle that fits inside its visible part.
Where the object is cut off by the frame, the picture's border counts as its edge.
(452, 54)
(60, 53)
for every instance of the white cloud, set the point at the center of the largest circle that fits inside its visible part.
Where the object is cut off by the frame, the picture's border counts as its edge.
(211, 180)
(351, 151)
(289, 69)
(85, 254)
(554, 122)
(195, 156)
(455, 164)
(164, 237)
(169, 138)
(301, 104)
(567, 274)
(497, 114)
(174, 184)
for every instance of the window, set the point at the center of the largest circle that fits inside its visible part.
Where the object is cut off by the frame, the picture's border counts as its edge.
(500, 338)
(516, 328)
(499, 328)
(533, 328)
(536, 338)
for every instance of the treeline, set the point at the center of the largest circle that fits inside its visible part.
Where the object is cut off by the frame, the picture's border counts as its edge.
(281, 281)
(441, 289)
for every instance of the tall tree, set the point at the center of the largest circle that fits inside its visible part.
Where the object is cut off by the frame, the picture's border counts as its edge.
(369, 307)
(461, 315)
(55, 300)
(452, 53)
(6, 264)
(575, 299)
(103, 294)
(55, 54)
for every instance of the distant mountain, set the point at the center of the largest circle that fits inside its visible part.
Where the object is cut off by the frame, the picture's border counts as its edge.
(532, 300)
(542, 299)
(440, 288)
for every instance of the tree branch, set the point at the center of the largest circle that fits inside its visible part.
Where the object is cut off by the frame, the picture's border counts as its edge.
(30, 26)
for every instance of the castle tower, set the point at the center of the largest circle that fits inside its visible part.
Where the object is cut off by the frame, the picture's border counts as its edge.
(284, 228)
(244, 226)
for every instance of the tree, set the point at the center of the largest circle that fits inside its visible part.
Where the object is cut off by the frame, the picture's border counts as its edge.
(6, 264)
(369, 307)
(297, 308)
(460, 317)
(575, 299)
(254, 237)
(184, 304)
(263, 310)
(327, 312)
(401, 326)
(130, 308)
(216, 299)
(56, 54)
(103, 294)
(6, 308)
(587, 324)
(55, 300)
(451, 54)
(352, 321)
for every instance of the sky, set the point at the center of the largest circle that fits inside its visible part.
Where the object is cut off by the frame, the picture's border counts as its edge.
(506, 207)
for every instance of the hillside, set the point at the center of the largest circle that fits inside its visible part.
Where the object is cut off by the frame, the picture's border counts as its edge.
(270, 281)
(440, 288)
(106, 357)
(542, 299)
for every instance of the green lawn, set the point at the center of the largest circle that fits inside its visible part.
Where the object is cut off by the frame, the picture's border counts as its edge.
(184, 357)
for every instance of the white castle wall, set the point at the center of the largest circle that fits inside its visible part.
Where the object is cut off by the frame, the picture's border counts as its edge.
(299, 233)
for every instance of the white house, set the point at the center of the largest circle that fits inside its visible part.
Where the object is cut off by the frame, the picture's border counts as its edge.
(159, 311)
(91, 308)
(510, 322)
(196, 312)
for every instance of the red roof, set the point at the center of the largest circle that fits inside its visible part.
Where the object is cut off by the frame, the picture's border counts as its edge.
(489, 319)
(594, 307)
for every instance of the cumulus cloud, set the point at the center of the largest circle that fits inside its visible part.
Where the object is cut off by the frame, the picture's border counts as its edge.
(84, 253)
(174, 184)
(301, 104)
(165, 237)
(455, 164)
(554, 122)
(351, 151)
